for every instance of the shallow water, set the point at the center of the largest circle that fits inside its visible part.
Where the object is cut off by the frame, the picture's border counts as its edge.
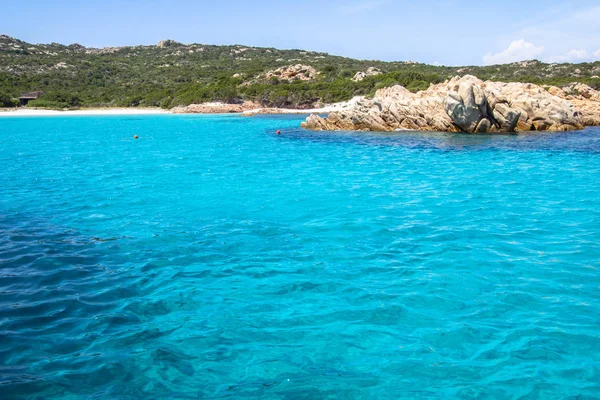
(212, 258)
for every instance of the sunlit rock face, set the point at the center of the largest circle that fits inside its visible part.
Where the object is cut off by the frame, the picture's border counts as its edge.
(465, 104)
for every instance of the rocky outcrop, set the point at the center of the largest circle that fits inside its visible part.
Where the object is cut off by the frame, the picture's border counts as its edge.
(371, 71)
(585, 99)
(293, 73)
(392, 108)
(290, 73)
(589, 111)
(582, 91)
(464, 104)
(168, 43)
(215, 108)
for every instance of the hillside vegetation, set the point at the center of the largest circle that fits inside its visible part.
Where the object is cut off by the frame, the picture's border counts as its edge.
(171, 74)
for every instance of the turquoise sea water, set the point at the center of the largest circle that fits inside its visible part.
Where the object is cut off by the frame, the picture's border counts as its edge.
(212, 258)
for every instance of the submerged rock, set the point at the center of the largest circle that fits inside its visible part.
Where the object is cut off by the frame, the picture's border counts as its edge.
(465, 104)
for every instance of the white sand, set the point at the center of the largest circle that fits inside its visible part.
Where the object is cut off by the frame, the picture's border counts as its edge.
(24, 112)
(27, 112)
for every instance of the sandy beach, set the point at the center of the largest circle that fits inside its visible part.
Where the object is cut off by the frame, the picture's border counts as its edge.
(204, 108)
(23, 112)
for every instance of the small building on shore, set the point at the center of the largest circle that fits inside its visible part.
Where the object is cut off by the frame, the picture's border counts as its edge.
(28, 96)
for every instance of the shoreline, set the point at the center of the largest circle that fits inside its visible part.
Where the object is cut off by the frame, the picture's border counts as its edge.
(197, 109)
(23, 112)
(321, 110)
(153, 111)
(157, 111)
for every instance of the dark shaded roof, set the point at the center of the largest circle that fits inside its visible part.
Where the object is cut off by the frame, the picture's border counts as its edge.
(31, 95)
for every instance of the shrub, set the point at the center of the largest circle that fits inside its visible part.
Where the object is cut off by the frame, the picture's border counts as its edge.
(70, 99)
(41, 103)
(7, 101)
(152, 76)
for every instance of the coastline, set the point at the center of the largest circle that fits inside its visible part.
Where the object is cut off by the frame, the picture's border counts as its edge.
(248, 109)
(329, 108)
(156, 111)
(470, 105)
(91, 111)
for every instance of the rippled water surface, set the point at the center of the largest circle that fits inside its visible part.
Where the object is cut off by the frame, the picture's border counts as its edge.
(212, 258)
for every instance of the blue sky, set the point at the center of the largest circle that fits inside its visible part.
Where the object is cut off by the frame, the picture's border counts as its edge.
(450, 32)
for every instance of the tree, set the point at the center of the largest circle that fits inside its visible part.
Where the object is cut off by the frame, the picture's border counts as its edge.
(7, 101)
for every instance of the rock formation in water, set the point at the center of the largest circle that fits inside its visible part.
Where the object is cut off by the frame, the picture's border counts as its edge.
(585, 99)
(466, 104)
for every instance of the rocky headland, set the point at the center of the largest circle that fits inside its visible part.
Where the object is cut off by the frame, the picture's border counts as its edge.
(468, 104)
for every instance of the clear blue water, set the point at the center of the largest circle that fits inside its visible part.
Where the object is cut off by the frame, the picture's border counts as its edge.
(212, 258)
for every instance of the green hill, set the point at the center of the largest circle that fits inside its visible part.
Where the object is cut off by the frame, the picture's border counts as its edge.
(171, 74)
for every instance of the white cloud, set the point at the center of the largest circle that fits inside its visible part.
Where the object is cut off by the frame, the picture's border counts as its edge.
(597, 54)
(361, 6)
(518, 50)
(568, 35)
(575, 55)
(438, 64)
